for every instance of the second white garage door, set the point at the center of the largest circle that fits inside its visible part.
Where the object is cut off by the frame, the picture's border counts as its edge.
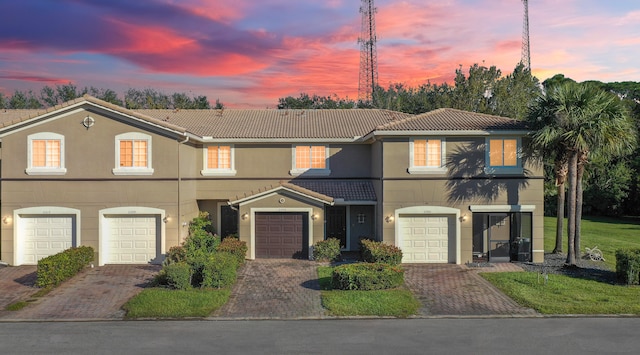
(424, 239)
(132, 239)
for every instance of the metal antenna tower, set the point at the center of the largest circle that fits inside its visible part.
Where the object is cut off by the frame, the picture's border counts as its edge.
(526, 54)
(368, 79)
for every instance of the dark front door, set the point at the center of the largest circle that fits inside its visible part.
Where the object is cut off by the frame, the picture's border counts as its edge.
(228, 222)
(336, 227)
(499, 237)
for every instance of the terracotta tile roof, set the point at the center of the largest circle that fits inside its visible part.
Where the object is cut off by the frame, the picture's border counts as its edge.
(282, 185)
(11, 117)
(274, 124)
(348, 190)
(447, 119)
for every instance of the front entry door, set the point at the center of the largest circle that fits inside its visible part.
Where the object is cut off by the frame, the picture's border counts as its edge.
(499, 237)
(336, 226)
(228, 221)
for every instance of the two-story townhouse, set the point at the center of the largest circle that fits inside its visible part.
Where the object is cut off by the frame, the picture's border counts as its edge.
(444, 186)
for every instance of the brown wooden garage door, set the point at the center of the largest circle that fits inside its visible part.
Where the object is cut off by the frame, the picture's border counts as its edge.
(281, 235)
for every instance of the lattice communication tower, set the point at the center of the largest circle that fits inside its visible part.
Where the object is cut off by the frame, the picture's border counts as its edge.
(526, 55)
(368, 79)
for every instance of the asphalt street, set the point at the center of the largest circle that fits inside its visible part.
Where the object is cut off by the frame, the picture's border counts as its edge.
(361, 336)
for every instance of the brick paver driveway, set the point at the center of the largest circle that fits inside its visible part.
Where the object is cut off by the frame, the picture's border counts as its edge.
(96, 293)
(456, 290)
(276, 289)
(16, 283)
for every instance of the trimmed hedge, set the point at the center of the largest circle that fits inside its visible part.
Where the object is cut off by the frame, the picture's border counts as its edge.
(628, 266)
(178, 275)
(327, 250)
(235, 247)
(366, 276)
(379, 252)
(219, 270)
(55, 269)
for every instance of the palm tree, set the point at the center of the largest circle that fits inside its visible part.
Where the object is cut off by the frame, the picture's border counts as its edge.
(579, 121)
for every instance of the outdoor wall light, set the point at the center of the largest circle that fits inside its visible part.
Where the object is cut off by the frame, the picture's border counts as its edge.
(245, 216)
(6, 219)
(314, 216)
(463, 218)
(389, 219)
(166, 219)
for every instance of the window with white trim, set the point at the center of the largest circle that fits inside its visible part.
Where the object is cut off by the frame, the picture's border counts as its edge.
(310, 159)
(45, 154)
(133, 154)
(218, 160)
(427, 155)
(503, 155)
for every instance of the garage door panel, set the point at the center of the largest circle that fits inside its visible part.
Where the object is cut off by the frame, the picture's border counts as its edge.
(132, 239)
(43, 236)
(279, 235)
(425, 239)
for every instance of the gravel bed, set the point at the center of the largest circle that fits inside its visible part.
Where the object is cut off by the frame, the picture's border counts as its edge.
(555, 264)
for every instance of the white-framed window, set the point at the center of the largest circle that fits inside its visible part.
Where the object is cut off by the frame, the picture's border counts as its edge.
(218, 160)
(503, 155)
(45, 154)
(427, 155)
(310, 159)
(133, 154)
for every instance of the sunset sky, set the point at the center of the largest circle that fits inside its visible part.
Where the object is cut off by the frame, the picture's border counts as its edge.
(248, 53)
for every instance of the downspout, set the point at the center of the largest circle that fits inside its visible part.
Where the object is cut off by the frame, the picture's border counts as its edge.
(180, 188)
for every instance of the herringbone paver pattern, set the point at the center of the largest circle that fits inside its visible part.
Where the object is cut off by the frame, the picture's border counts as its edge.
(451, 290)
(97, 293)
(276, 289)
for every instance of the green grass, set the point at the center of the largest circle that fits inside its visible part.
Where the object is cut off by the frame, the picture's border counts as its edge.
(608, 234)
(392, 303)
(166, 303)
(566, 295)
(16, 306)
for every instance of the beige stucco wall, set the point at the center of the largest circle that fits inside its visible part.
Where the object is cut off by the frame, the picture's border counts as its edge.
(402, 189)
(89, 184)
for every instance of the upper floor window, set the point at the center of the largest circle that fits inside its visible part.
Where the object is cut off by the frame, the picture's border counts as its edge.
(311, 159)
(45, 153)
(503, 156)
(427, 155)
(133, 154)
(218, 160)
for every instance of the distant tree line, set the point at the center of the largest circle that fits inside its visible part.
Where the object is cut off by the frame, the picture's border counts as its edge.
(133, 98)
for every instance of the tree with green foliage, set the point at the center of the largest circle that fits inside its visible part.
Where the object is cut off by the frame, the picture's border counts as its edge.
(512, 94)
(24, 100)
(582, 122)
(304, 101)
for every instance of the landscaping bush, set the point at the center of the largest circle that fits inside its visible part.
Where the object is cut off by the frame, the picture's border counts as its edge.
(219, 270)
(379, 252)
(178, 275)
(234, 246)
(57, 268)
(327, 250)
(628, 266)
(176, 254)
(366, 276)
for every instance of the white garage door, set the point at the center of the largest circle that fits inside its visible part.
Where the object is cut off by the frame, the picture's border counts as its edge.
(44, 236)
(132, 240)
(424, 239)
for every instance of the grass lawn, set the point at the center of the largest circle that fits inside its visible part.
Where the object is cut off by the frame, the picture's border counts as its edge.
(608, 234)
(166, 303)
(566, 295)
(394, 303)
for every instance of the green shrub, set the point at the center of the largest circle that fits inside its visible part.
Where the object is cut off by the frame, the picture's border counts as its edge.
(57, 268)
(628, 266)
(235, 247)
(379, 252)
(327, 250)
(176, 254)
(178, 275)
(366, 276)
(219, 270)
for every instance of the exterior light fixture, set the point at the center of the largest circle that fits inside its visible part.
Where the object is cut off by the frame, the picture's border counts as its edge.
(245, 216)
(463, 218)
(166, 219)
(389, 219)
(314, 216)
(6, 219)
